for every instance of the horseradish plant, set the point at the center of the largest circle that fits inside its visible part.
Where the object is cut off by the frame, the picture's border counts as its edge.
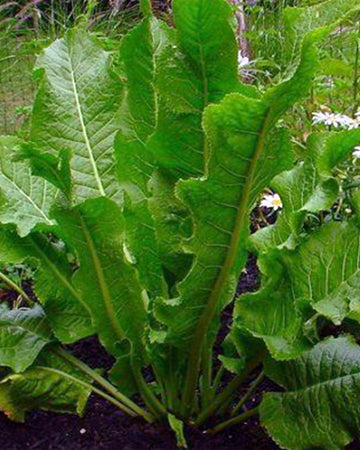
(131, 200)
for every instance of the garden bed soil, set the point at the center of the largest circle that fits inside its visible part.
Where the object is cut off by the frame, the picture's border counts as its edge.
(106, 427)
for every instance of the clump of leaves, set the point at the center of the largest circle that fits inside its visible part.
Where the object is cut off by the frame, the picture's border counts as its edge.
(131, 200)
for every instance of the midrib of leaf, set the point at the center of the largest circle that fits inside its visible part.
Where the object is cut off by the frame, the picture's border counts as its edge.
(335, 380)
(201, 330)
(28, 198)
(87, 386)
(206, 101)
(84, 131)
(102, 282)
(22, 326)
(205, 83)
(58, 274)
(156, 102)
(153, 84)
(65, 375)
(154, 89)
(344, 280)
(44, 195)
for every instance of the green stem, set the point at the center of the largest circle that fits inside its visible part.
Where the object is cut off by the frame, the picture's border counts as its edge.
(150, 399)
(356, 77)
(172, 382)
(113, 400)
(245, 398)
(17, 289)
(161, 384)
(52, 21)
(233, 421)
(227, 394)
(218, 378)
(206, 376)
(89, 386)
(104, 383)
(212, 304)
(146, 8)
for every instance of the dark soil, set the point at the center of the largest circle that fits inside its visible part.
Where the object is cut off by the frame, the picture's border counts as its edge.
(105, 427)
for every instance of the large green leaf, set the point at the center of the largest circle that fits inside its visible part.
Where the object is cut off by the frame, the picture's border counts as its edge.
(25, 199)
(198, 68)
(68, 314)
(23, 334)
(106, 279)
(139, 53)
(50, 384)
(308, 187)
(172, 223)
(328, 276)
(314, 276)
(241, 132)
(76, 110)
(56, 170)
(239, 348)
(241, 135)
(272, 313)
(220, 204)
(320, 407)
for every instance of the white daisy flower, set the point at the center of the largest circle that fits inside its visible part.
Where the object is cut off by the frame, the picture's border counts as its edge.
(329, 82)
(355, 123)
(327, 118)
(347, 122)
(356, 152)
(272, 201)
(243, 61)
